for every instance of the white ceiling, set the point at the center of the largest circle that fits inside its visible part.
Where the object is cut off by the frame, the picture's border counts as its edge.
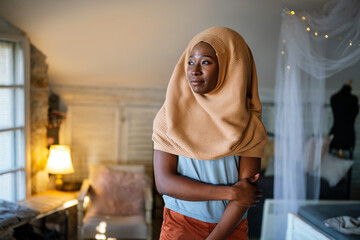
(138, 42)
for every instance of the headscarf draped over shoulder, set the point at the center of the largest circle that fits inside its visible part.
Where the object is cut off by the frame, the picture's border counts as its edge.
(223, 122)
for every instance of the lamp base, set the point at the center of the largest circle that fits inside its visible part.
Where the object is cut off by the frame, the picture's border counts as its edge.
(59, 182)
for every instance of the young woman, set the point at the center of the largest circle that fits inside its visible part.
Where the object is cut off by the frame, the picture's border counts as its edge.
(209, 139)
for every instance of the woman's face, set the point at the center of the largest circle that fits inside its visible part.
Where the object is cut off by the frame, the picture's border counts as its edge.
(203, 68)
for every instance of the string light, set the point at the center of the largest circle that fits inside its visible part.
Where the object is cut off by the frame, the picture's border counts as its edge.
(307, 29)
(288, 67)
(282, 52)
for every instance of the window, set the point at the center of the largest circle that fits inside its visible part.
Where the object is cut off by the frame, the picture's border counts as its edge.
(13, 119)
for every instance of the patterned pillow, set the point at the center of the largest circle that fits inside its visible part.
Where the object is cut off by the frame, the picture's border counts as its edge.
(118, 193)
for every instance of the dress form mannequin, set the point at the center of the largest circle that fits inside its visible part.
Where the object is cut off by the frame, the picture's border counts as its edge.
(345, 108)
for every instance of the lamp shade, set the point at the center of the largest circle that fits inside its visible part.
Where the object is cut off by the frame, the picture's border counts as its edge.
(59, 161)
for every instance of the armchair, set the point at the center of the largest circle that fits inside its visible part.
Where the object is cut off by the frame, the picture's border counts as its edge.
(115, 202)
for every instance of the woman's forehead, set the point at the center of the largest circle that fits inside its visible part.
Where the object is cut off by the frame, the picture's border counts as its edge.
(203, 47)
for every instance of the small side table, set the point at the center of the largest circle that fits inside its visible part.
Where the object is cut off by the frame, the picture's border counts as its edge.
(52, 201)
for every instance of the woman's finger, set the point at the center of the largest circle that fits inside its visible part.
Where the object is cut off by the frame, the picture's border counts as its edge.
(251, 179)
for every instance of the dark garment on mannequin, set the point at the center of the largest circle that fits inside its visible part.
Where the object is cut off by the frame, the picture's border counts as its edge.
(345, 108)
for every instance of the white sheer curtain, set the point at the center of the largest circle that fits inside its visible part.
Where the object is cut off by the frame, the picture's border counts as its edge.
(312, 47)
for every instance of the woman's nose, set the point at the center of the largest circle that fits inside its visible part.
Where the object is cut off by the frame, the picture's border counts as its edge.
(196, 70)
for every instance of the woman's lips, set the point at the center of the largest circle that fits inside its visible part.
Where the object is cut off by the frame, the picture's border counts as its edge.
(196, 82)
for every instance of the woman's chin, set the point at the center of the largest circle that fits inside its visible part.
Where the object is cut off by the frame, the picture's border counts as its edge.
(198, 90)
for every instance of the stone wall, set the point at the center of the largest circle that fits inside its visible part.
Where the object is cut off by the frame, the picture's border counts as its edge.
(39, 95)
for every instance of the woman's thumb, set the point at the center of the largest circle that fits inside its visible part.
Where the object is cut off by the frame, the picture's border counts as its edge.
(254, 178)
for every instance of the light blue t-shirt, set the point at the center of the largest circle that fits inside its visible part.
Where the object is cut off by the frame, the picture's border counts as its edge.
(223, 171)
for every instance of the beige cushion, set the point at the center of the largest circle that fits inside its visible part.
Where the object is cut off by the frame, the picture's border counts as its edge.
(130, 227)
(333, 169)
(309, 150)
(118, 193)
(95, 169)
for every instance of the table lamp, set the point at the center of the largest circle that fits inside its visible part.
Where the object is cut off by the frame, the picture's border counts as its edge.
(59, 163)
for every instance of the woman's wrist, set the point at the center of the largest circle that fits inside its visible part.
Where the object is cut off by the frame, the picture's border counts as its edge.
(224, 193)
(233, 193)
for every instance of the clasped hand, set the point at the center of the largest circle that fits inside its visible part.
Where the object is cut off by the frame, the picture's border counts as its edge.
(246, 192)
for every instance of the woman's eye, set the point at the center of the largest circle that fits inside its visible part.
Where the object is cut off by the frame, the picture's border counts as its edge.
(205, 62)
(190, 63)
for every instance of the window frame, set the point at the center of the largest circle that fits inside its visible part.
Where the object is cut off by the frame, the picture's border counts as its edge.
(24, 45)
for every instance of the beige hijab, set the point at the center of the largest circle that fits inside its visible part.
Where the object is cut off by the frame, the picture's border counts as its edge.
(223, 122)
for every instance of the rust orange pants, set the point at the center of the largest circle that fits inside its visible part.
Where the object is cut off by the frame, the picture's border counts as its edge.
(179, 227)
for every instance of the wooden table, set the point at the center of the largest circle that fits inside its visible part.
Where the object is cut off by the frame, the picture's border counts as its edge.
(51, 201)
